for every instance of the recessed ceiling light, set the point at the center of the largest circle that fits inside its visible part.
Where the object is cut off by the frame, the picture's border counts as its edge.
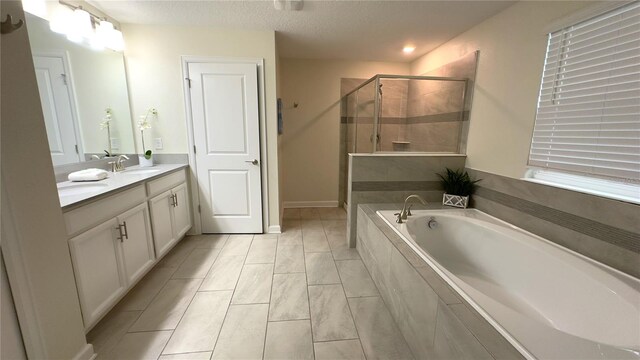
(408, 49)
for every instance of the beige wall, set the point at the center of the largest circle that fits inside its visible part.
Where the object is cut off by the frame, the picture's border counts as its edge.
(310, 143)
(512, 48)
(153, 57)
(34, 238)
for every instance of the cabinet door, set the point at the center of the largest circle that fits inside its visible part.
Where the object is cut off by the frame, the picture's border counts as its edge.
(136, 242)
(162, 222)
(96, 265)
(181, 211)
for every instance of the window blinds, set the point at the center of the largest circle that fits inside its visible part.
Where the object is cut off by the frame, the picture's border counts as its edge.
(588, 116)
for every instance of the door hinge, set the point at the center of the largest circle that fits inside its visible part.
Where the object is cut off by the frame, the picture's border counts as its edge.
(64, 78)
(77, 151)
(199, 209)
(194, 149)
(189, 81)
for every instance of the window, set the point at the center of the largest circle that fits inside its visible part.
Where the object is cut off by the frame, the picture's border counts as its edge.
(588, 118)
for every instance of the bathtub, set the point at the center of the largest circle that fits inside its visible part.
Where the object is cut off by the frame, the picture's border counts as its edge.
(547, 301)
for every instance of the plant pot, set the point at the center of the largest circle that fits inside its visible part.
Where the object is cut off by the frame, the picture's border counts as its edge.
(144, 162)
(455, 201)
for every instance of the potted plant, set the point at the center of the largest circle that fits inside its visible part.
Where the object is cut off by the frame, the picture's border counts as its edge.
(458, 186)
(146, 159)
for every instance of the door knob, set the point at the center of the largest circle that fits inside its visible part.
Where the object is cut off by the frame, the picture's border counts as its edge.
(254, 161)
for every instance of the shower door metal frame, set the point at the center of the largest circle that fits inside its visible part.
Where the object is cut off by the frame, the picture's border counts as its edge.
(376, 115)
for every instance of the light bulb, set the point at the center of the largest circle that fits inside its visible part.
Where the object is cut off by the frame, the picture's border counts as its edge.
(80, 26)
(60, 19)
(116, 41)
(102, 36)
(35, 7)
(408, 49)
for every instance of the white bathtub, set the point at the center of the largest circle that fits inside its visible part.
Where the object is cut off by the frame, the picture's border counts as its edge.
(548, 301)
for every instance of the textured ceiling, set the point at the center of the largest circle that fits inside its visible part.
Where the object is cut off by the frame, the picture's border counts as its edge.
(363, 30)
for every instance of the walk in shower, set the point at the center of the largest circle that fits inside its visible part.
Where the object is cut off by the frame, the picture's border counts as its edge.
(398, 114)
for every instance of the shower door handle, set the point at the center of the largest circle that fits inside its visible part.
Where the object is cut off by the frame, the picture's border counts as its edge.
(254, 161)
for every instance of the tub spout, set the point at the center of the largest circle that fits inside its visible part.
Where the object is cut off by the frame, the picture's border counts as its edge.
(406, 210)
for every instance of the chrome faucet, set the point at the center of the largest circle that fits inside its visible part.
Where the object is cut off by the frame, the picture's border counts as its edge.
(406, 211)
(118, 165)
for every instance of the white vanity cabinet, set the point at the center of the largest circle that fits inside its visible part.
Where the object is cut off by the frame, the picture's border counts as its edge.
(117, 238)
(110, 257)
(97, 266)
(170, 213)
(136, 242)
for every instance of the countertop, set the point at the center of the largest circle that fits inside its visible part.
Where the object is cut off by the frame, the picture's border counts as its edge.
(73, 194)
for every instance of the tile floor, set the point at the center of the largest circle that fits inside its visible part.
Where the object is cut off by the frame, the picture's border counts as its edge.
(301, 294)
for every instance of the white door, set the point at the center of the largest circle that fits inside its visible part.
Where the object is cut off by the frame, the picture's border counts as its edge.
(137, 245)
(224, 108)
(59, 117)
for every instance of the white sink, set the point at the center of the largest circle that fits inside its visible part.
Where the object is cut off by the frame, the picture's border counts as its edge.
(141, 171)
(80, 188)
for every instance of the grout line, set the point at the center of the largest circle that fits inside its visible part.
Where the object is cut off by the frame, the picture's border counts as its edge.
(266, 323)
(150, 331)
(288, 320)
(181, 317)
(233, 292)
(306, 278)
(228, 306)
(187, 352)
(328, 341)
(349, 305)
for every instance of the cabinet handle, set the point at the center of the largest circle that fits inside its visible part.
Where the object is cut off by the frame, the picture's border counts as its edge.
(126, 231)
(173, 200)
(176, 196)
(121, 237)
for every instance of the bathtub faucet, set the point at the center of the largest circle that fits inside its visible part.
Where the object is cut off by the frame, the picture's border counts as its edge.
(406, 211)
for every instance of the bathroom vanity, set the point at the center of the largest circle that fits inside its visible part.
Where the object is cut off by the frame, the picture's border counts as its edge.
(119, 228)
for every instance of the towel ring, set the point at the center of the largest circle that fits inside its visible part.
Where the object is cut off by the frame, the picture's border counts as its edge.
(7, 26)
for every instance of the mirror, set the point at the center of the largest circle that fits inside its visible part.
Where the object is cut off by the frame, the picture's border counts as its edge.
(84, 96)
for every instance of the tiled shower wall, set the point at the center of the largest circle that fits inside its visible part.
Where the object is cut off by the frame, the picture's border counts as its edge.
(603, 229)
(437, 117)
(417, 115)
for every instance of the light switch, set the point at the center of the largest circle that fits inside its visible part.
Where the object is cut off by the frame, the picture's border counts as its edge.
(115, 143)
(158, 143)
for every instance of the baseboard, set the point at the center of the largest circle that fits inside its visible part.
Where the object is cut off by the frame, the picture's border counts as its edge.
(281, 213)
(274, 229)
(308, 204)
(86, 353)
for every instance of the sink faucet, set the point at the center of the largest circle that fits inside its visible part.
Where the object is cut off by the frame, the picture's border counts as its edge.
(406, 211)
(118, 165)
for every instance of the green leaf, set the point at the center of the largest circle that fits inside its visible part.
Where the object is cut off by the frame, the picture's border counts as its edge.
(457, 182)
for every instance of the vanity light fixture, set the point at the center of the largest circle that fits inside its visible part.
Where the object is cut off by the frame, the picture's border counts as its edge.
(79, 25)
(116, 41)
(59, 21)
(107, 36)
(288, 5)
(408, 49)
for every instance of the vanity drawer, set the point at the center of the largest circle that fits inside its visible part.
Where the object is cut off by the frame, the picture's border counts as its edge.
(90, 215)
(165, 183)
